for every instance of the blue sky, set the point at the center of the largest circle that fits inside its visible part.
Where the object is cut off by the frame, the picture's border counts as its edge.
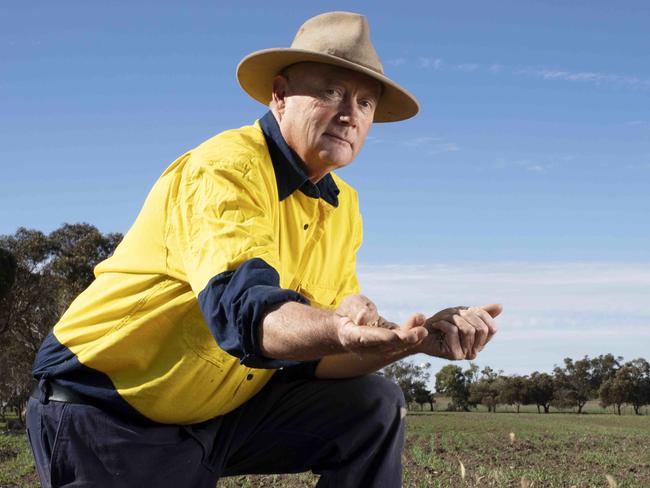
(532, 146)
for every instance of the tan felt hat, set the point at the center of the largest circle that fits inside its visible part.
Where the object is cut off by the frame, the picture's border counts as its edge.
(336, 38)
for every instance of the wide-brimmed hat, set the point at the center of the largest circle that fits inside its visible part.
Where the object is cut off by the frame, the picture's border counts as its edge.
(335, 38)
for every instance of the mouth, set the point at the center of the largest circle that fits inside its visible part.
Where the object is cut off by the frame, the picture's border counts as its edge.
(338, 138)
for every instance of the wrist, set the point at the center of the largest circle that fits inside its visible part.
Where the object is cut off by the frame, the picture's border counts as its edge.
(337, 323)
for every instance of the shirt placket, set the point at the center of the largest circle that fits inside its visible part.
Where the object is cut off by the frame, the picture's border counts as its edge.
(316, 231)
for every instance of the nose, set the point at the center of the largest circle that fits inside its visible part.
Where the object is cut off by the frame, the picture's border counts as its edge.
(348, 112)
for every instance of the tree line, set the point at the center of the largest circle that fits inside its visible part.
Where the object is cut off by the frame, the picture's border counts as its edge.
(605, 378)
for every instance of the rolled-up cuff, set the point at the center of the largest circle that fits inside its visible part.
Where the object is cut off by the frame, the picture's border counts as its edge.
(234, 304)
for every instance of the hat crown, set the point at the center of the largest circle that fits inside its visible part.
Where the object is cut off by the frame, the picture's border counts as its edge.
(345, 35)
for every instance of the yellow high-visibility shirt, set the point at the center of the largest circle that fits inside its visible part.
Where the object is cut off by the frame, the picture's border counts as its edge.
(168, 329)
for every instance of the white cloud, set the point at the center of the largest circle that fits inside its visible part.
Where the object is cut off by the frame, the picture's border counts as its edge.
(550, 74)
(443, 147)
(420, 141)
(396, 62)
(435, 63)
(430, 145)
(551, 310)
(530, 165)
(467, 67)
(596, 78)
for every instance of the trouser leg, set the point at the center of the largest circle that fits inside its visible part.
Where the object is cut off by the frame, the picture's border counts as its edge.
(85, 447)
(41, 437)
(351, 431)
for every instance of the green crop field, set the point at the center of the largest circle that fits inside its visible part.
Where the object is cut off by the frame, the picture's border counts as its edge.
(475, 449)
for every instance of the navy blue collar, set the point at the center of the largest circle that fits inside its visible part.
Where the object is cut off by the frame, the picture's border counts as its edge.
(290, 170)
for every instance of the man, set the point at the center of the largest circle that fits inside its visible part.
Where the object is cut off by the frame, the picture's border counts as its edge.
(226, 334)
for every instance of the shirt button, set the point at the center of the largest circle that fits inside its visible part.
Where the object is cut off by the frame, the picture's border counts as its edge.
(249, 377)
(306, 226)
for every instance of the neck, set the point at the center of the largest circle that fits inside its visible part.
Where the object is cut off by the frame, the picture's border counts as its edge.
(313, 175)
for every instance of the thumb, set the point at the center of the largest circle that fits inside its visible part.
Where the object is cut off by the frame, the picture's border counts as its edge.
(415, 323)
(416, 320)
(493, 309)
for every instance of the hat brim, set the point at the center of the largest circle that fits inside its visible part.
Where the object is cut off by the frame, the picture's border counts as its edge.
(256, 71)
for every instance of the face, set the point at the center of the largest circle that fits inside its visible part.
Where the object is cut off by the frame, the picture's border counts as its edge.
(325, 113)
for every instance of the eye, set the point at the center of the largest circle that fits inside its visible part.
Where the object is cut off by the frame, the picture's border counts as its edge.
(332, 92)
(366, 103)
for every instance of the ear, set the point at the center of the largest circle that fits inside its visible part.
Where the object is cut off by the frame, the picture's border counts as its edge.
(279, 92)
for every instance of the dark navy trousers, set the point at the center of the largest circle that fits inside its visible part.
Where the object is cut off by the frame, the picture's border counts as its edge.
(350, 432)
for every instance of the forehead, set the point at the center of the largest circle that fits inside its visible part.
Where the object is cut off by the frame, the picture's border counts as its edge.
(324, 73)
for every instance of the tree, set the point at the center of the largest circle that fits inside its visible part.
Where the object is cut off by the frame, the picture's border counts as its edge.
(512, 391)
(614, 391)
(539, 390)
(8, 267)
(630, 384)
(422, 395)
(452, 381)
(486, 390)
(50, 271)
(77, 248)
(603, 368)
(411, 379)
(639, 373)
(574, 383)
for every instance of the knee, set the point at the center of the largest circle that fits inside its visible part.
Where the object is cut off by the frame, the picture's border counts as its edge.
(387, 390)
(378, 396)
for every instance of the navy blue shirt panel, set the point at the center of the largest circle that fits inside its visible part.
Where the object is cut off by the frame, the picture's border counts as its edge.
(55, 362)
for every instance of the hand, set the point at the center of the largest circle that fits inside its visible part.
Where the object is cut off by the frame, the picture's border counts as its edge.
(388, 342)
(460, 332)
(363, 330)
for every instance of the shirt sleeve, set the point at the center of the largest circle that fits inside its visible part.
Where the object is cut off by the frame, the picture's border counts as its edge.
(221, 224)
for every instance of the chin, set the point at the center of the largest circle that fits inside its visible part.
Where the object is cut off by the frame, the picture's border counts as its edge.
(336, 160)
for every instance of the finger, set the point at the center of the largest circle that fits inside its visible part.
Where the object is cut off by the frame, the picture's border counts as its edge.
(359, 308)
(493, 309)
(450, 347)
(382, 322)
(445, 314)
(480, 327)
(467, 333)
(412, 337)
(492, 325)
(416, 320)
(366, 339)
(413, 330)
(367, 313)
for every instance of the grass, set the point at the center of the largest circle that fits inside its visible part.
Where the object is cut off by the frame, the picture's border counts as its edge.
(496, 450)
(16, 464)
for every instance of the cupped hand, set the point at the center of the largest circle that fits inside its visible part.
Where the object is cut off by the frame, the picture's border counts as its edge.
(362, 330)
(460, 332)
(366, 339)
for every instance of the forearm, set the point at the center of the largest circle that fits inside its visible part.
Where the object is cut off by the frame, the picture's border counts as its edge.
(349, 365)
(299, 332)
